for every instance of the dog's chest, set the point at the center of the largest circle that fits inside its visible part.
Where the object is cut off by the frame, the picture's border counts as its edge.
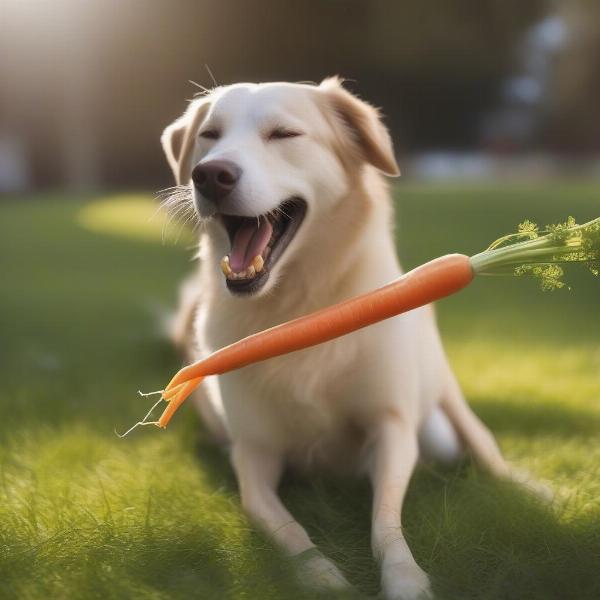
(304, 399)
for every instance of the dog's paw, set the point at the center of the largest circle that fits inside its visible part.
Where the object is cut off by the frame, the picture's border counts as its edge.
(405, 581)
(318, 572)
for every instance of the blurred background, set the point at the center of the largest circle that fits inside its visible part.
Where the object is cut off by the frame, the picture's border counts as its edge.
(465, 86)
(494, 106)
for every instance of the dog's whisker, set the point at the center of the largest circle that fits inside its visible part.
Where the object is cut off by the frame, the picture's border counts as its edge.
(177, 211)
(211, 75)
(183, 212)
(172, 221)
(168, 189)
(168, 204)
(182, 227)
(203, 90)
(174, 216)
(175, 205)
(175, 197)
(175, 188)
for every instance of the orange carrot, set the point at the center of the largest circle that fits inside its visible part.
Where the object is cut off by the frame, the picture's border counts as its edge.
(427, 283)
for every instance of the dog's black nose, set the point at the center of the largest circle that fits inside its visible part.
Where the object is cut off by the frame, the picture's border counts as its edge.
(215, 179)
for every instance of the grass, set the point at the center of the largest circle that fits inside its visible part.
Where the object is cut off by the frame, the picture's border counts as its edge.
(86, 515)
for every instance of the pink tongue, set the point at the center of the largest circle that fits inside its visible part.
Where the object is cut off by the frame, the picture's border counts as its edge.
(249, 241)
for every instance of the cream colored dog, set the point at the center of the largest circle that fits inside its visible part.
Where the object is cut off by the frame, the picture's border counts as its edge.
(287, 182)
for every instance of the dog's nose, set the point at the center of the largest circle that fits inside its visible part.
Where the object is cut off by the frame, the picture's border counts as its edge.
(215, 179)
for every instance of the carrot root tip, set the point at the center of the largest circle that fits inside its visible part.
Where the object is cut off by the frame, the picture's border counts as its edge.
(138, 424)
(146, 394)
(144, 421)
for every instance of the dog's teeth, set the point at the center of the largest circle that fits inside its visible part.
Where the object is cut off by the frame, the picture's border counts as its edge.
(225, 266)
(249, 273)
(258, 263)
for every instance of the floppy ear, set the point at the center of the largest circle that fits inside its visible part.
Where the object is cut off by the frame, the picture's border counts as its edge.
(360, 124)
(178, 140)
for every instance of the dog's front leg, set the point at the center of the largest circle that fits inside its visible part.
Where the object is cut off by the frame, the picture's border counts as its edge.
(258, 472)
(395, 456)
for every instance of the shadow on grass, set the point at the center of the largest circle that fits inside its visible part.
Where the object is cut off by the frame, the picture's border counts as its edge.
(476, 536)
(335, 512)
(189, 562)
(513, 545)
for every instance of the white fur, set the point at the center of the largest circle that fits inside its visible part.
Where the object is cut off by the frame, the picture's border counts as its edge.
(355, 403)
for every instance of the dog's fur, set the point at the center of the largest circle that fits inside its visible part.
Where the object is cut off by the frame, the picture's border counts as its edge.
(360, 403)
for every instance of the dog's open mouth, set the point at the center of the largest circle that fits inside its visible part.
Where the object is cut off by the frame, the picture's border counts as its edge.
(257, 243)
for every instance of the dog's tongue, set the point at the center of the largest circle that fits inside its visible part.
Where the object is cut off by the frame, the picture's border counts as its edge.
(249, 240)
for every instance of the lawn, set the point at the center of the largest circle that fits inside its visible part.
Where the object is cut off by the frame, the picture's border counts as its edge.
(84, 514)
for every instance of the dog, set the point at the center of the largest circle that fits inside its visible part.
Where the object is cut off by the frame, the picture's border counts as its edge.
(288, 183)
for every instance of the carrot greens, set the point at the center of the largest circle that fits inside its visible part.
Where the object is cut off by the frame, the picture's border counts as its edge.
(542, 253)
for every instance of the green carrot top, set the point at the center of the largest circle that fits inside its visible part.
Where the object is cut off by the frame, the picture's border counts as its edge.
(542, 253)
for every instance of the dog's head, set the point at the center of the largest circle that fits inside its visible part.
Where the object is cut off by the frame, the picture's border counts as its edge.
(264, 160)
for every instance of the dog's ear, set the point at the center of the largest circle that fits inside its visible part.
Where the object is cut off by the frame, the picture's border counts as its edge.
(178, 140)
(360, 124)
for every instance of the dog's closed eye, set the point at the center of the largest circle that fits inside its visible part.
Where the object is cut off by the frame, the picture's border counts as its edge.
(210, 134)
(282, 133)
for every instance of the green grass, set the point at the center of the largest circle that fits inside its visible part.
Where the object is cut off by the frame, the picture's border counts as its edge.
(84, 514)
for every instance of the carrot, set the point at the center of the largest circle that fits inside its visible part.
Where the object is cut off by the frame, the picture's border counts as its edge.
(181, 393)
(530, 251)
(431, 281)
